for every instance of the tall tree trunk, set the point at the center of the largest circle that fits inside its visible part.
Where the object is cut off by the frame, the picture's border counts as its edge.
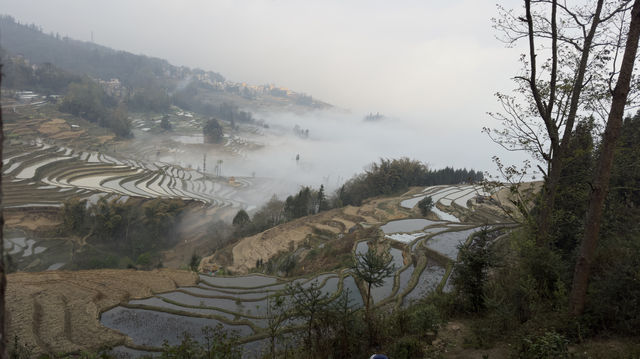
(602, 174)
(368, 316)
(548, 200)
(3, 277)
(558, 142)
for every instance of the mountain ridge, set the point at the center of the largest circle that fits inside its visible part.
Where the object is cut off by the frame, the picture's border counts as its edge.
(137, 72)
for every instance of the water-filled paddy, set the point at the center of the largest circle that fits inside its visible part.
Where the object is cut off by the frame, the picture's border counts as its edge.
(29, 172)
(213, 292)
(397, 259)
(383, 291)
(444, 215)
(55, 266)
(405, 237)
(429, 280)
(406, 225)
(462, 200)
(159, 303)
(404, 277)
(254, 308)
(410, 203)
(362, 248)
(443, 193)
(240, 282)
(151, 328)
(447, 243)
(12, 167)
(355, 298)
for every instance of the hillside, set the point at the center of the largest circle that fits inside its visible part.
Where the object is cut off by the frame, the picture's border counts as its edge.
(85, 296)
(306, 234)
(193, 89)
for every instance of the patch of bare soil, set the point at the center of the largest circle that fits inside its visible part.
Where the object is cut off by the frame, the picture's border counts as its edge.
(53, 126)
(65, 135)
(31, 220)
(58, 311)
(244, 254)
(104, 139)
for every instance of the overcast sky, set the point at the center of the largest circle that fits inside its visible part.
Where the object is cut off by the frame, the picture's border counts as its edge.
(433, 63)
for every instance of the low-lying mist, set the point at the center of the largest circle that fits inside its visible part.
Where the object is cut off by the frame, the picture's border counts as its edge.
(329, 147)
(340, 145)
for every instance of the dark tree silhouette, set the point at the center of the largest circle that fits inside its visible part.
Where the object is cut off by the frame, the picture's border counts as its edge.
(212, 131)
(602, 174)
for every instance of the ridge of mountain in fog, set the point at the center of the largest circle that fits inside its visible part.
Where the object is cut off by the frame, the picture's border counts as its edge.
(138, 71)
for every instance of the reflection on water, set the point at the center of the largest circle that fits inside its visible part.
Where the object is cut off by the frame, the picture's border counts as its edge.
(406, 225)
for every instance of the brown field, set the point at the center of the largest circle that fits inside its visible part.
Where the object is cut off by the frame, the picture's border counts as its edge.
(241, 256)
(58, 311)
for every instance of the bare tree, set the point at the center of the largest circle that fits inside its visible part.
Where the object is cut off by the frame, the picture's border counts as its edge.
(568, 53)
(602, 175)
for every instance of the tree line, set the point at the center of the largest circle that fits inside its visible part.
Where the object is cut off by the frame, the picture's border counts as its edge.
(388, 177)
(397, 175)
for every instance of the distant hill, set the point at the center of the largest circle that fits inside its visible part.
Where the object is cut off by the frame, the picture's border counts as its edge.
(138, 73)
(87, 58)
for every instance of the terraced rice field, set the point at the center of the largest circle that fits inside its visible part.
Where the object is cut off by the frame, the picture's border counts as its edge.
(447, 196)
(240, 303)
(37, 173)
(34, 254)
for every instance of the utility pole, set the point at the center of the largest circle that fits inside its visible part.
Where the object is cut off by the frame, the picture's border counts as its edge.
(219, 168)
(204, 166)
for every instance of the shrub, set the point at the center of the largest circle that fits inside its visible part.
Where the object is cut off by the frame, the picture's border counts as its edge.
(471, 272)
(144, 259)
(194, 262)
(549, 345)
(425, 205)
(425, 318)
(406, 348)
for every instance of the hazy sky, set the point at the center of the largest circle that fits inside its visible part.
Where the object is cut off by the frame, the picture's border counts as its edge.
(433, 63)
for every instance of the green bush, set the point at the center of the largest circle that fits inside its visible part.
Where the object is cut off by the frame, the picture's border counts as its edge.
(144, 259)
(425, 205)
(549, 345)
(194, 262)
(218, 344)
(613, 303)
(425, 318)
(407, 348)
(470, 275)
